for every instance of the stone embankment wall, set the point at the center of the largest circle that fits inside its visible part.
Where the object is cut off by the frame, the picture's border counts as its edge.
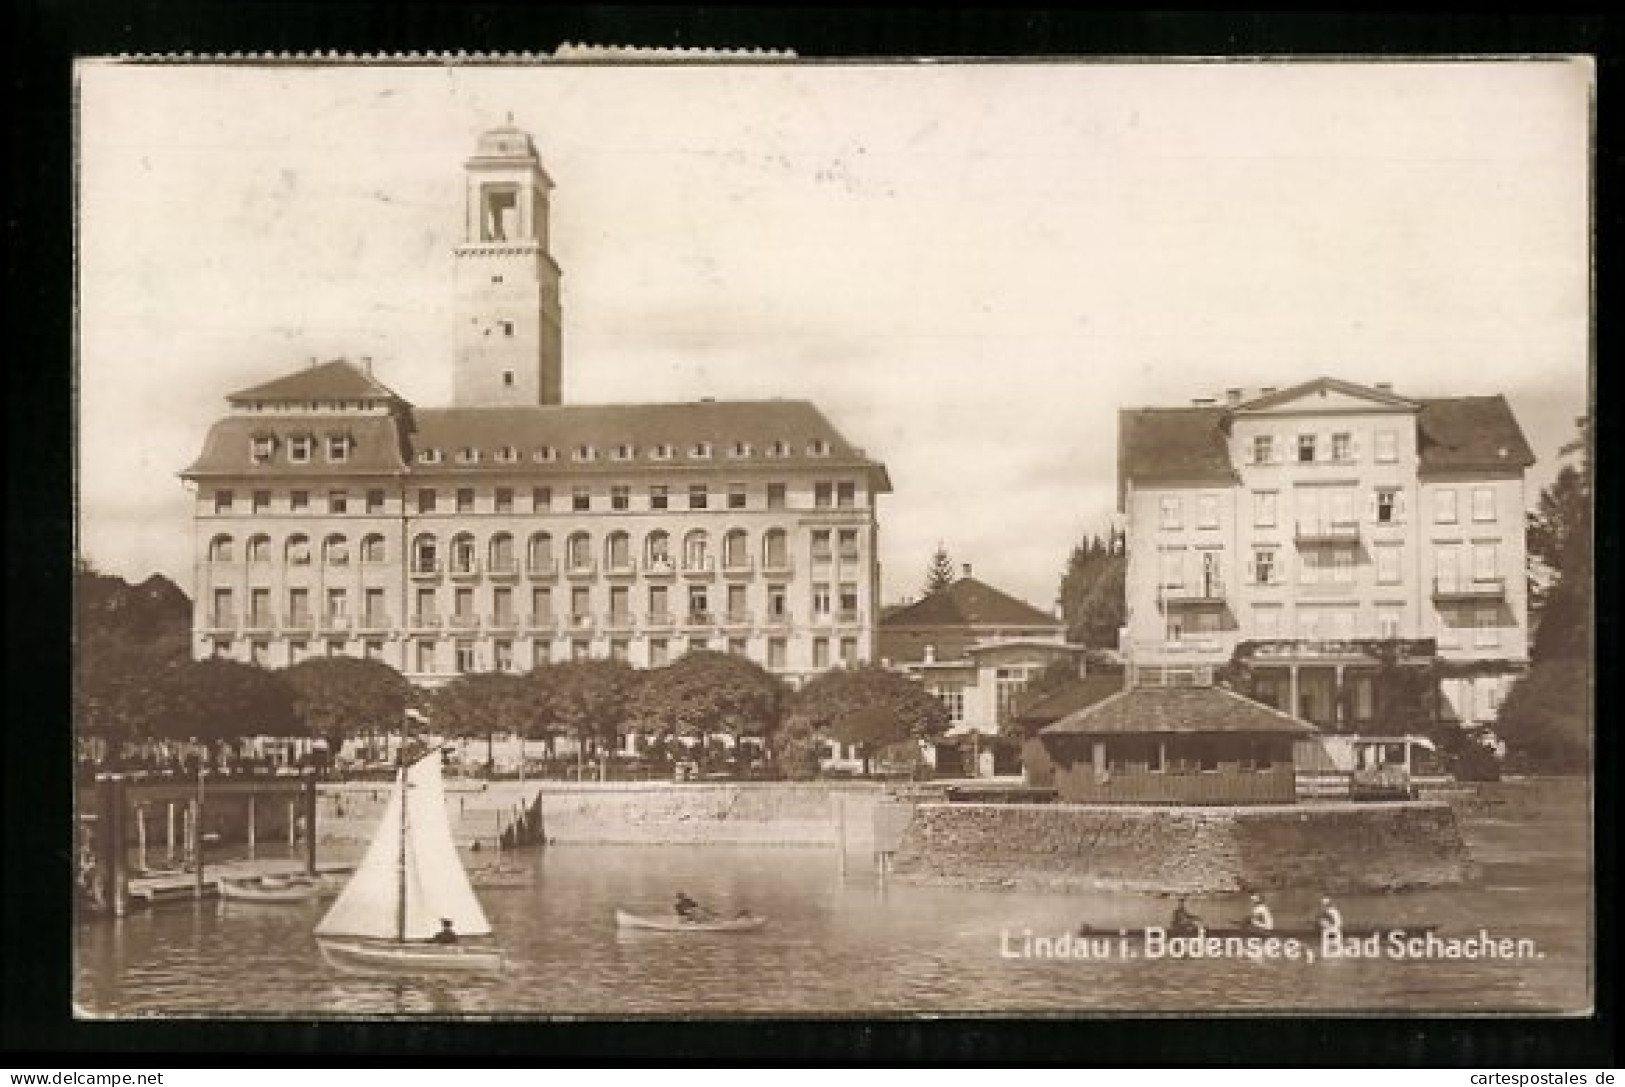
(1062, 847)
(656, 813)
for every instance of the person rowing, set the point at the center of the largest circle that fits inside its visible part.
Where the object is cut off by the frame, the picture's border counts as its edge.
(689, 910)
(1184, 922)
(1259, 917)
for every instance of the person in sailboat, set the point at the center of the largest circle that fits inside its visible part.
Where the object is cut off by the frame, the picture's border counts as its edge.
(1184, 922)
(689, 910)
(446, 935)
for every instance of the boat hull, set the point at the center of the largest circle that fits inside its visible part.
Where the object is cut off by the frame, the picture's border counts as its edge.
(252, 890)
(1307, 935)
(635, 922)
(401, 959)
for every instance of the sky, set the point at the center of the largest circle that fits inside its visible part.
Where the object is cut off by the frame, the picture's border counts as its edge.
(970, 267)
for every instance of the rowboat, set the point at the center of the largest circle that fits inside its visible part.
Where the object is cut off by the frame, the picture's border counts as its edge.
(498, 876)
(745, 922)
(1306, 935)
(409, 892)
(284, 890)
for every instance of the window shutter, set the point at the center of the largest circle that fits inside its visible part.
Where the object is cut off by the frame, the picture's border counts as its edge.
(1354, 447)
(1401, 506)
(1371, 507)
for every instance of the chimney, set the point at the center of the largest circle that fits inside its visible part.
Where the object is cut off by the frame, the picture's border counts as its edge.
(312, 362)
(1384, 386)
(1060, 611)
(930, 654)
(1267, 390)
(1232, 397)
(964, 570)
(1203, 401)
(366, 364)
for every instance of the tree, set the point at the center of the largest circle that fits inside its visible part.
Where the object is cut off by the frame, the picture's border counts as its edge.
(704, 692)
(1092, 590)
(127, 640)
(1545, 720)
(871, 707)
(1559, 540)
(482, 704)
(798, 749)
(218, 701)
(939, 574)
(342, 698)
(586, 699)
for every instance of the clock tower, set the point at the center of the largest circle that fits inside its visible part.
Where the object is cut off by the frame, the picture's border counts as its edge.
(507, 341)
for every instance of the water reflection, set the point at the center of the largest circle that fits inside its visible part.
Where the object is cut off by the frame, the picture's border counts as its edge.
(856, 946)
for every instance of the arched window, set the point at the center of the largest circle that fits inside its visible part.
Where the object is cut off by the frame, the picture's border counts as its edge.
(736, 549)
(578, 552)
(373, 550)
(220, 549)
(618, 551)
(696, 550)
(775, 549)
(657, 551)
(425, 554)
(259, 549)
(502, 557)
(463, 557)
(539, 555)
(298, 550)
(336, 551)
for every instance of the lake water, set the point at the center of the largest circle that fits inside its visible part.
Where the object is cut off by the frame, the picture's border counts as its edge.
(856, 946)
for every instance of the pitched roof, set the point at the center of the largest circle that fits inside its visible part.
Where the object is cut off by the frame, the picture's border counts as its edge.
(1079, 694)
(1322, 384)
(1172, 444)
(374, 446)
(336, 380)
(1177, 709)
(968, 602)
(758, 424)
(1470, 432)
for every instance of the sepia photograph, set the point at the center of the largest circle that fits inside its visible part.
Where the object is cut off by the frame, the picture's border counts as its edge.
(698, 534)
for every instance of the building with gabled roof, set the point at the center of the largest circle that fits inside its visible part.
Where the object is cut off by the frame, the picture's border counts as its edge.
(975, 648)
(510, 529)
(1317, 534)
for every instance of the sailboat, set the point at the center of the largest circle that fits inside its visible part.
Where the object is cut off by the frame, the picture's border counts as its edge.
(409, 885)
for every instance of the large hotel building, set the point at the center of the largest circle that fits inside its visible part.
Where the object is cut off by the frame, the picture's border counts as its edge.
(509, 530)
(1316, 533)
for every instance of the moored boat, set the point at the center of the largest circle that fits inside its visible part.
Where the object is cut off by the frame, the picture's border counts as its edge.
(285, 890)
(410, 909)
(744, 922)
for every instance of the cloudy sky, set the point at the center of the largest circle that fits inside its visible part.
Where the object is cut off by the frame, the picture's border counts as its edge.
(970, 267)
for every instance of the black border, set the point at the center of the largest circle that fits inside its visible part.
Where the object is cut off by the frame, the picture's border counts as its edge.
(46, 35)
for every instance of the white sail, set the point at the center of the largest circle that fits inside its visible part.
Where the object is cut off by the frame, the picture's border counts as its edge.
(434, 882)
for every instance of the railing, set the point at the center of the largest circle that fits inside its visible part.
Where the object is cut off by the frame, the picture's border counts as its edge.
(376, 622)
(846, 615)
(624, 568)
(300, 621)
(699, 619)
(619, 621)
(542, 568)
(427, 569)
(465, 622)
(504, 568)
(1313, 532)
(1469, 588)
(538, 622)
(701, 567)
(737, 564)
(581, 568)
(782, 619)
(1208, 591)
(259, 621)
(662, 619)
(422, 621)
(336, 622)
(737, 618)
(502, 622)
(580, 622)
(659, 567)
(778, 564)
(465, 569)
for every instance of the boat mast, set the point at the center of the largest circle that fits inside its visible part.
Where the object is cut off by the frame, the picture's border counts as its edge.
(400, 864)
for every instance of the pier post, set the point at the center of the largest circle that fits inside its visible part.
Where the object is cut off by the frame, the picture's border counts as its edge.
(197, 835)
(310, 821)
(112, 875)
(250, 826)
(141, 837)
(840, 824)
(292, 811)
(170, 834)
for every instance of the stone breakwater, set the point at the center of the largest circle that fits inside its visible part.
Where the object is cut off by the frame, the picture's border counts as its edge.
(1341, 847)
(658, 813)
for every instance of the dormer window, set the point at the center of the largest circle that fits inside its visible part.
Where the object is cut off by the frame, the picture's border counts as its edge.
(429, 456)
(779, 449)
(662, 452)
(507, 455)
(338, 448)
(262, 447)
(818, 448)
(585, 453)
(468, 455)
(299, 449)
(622, 452)
(545, 455)
(740, 450)
(701, 451)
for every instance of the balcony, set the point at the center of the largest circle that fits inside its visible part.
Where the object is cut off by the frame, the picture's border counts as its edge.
(662, 619)
(542, 569)
(624, 568)
(424, 621)
(504, 569)
(464, 622)
(538, 622)
(336, 624)
(778, 564)
(1447, 589)
(427, 569)
(777, 619)
(699, 619)
(699, 566)
(581, 568)
(849, 615)
(376, 622)
(1208, 592)
(737, 566)
(299, 622)
(619, 620)
(465, 571)
(659, 567)
(736, 619)
(1327, 532)
(502, 622)
(221, 621)
(259, 623)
